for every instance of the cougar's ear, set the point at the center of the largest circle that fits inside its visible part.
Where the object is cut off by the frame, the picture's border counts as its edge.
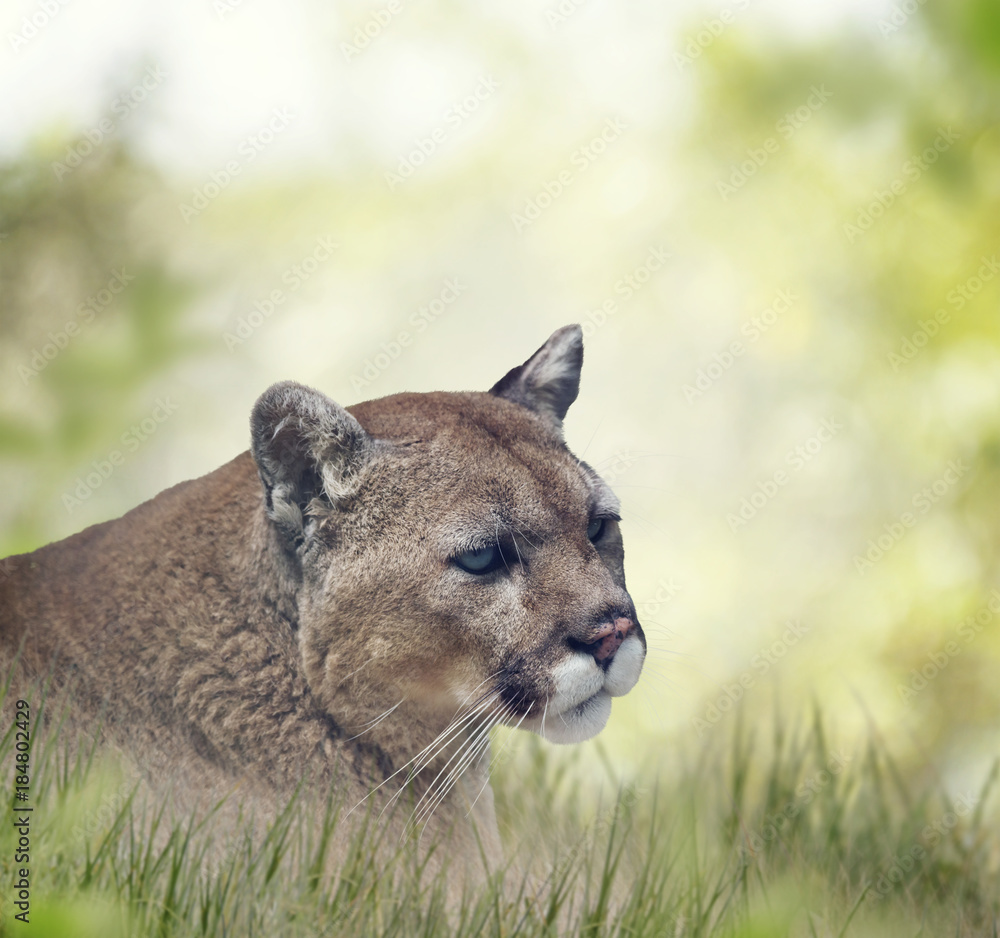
(305, 447)
(549, 381)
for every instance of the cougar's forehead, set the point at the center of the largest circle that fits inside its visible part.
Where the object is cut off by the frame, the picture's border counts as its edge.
(485, 455)
(438, 416)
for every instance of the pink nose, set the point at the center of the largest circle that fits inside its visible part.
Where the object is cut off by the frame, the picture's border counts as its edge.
(608, 639)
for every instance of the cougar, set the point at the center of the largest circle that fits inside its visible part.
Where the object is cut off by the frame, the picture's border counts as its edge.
(357, 600)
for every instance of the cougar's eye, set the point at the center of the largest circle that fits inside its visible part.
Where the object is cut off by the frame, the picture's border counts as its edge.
(483, 560)
(595, 529)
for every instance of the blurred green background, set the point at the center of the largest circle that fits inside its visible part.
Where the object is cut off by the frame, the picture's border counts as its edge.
(778, 224)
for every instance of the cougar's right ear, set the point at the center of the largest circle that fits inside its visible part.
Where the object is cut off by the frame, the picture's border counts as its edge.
(548, 382)
(305, 446)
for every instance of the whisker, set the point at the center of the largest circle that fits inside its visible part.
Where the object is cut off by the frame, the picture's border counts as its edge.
(441, 738)
(474, 689)
(494, 761)
(591, 440)
(426, 756)
(432, 798)
(473, 748)
(506, 742)
(507, 711)
(460, 754)
(371, 724)
(644, 521)
(521, 531)
(518, 552)
(464, 714)
(348, 676)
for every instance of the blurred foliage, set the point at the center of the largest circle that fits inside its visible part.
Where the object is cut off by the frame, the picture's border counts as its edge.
(802, 165)
(807, 166)
(761, 833)
(92, 317)
(875, 264)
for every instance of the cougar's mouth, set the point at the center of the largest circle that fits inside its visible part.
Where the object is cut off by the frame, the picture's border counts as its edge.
(580, 703)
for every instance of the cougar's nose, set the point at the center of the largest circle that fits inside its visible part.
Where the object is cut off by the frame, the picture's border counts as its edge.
(607, 640)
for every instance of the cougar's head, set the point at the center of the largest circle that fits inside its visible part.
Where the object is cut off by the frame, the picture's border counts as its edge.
(452, 551)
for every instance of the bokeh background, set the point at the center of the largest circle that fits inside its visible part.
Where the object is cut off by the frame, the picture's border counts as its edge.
(778, 223)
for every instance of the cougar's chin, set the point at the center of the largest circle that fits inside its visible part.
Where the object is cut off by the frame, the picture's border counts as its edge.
(580, 704)
(576, 723)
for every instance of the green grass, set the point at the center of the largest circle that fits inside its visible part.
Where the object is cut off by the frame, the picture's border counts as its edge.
(758, 835)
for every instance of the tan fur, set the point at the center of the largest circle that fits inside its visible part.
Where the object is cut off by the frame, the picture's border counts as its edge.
(233, 636)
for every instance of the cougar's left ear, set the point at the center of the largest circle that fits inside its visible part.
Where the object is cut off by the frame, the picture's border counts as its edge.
(305, 446)
(549, 381)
